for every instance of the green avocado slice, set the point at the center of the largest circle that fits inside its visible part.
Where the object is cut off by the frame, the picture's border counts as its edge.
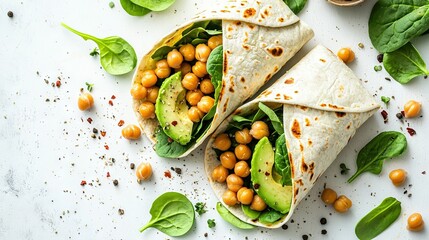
(172, 111)
(275, 195)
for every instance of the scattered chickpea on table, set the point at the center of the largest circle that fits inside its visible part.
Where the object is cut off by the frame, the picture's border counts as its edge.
(415, 222)
(144, 171)
(341, 204)
(346, 55)
(131, 132)
(412, 109)
(85, 101)
(398, 176)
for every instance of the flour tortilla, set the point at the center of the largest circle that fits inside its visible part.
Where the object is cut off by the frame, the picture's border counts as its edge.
(259, 37)
(324, 104)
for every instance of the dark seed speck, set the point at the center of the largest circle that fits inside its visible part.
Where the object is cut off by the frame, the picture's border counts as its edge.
(323, 221)
(10, 14)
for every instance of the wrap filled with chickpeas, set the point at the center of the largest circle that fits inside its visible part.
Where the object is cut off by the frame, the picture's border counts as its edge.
(266, 156)
(202, 71)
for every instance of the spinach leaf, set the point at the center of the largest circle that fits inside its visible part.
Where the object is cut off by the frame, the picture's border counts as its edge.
(117, 56)
(154, 5)
(270, 216)
(161, 52)
(275, 121)
(379, 219)
(195, 33)
(393, 23)
(295, 5)
(197, 41)
(405, 64)
(252, 214)
(385, 145)
(169, 148)
(281, 161)
(229, 217)
(172, 213)
(134, 9)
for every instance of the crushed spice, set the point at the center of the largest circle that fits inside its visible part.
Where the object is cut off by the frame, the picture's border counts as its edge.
(121, 123)
(411, 131)
(83, 183)
(384, 114)
(167, 174)
(89, 120)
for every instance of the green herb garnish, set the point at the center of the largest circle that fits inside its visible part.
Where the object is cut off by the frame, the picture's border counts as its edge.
(89, 86)
(378, 68)
(385, 99)
(295, 5)
(94, 52)
(211, 223)
(200, 208)
(344, 169)
(111, 4)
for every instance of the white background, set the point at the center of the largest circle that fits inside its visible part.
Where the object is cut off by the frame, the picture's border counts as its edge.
(46, 148)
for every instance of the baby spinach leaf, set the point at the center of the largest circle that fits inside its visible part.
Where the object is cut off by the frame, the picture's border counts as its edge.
(281, 161)
(379, 219)
(405, 64)
(117, 56)
(252, 214)
(295, 5)
(134, 9)
(169, 148)
(172, 213)
(385, 145)
(229, 217)
(154, 5)
(275, 121)
(393, 23)
(161, 52)
(270, 216)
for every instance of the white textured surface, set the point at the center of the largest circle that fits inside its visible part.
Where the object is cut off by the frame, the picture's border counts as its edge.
(46, 148)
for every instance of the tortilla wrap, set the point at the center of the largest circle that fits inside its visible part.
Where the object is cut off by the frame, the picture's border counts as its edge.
(259, 37)
(324, 104)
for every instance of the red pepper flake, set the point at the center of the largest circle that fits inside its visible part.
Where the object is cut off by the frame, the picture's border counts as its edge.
(103, 133)
(113, 97)
(167, 174)
(170, 140)
(403, 113)
(121, 123)
(58, 83)
(174, 123)
(89, 120)
(110, 103)
(384, 114)
(411, 131)
(83, 183)
(108, 174)
(106, 147)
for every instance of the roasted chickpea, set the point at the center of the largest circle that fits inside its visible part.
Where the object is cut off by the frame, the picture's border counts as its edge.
(245, 195)
(188, 52)
(415, 222)
(329, 196)
(85, 101)
(190, 81)
(342, 204)
(228, 159)
(220, 173)
(243, 136)
(199, 69)
(174, 58)
(206, 86)
(138, 91)
(412, 109)
(162, 69)
(259, 130)
(194, 114)
(215, 41)
(147, 110)
(346, 54)
(202, 52)
(242, 152)
(194, 97)
(234, 182)
(222, 142)
(229, 198)
(185, 68)
(258, 204)
(242, 169)
(205, 104)
(131, 132)
(152, 94)
(398, 176)
(144, 171)
(149, 78)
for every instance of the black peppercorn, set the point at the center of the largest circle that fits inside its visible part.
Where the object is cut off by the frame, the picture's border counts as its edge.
(132, 165)
(10, 14)
(304, 237)
(399, 115)
(115, 182)
(324, 232)
(323, 221)
(284, 227)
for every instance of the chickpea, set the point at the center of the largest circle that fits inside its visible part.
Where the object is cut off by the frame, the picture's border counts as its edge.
(346, 54)
(220, 173)
(144, 171)
(258, 204)
(131, 132)
(190, 81)
(229, 198)
(194, 97)
(342, 204)
(174, 58)
(188, 52)
(194, 114)
(398, 176)
(243, 136)
(199, 69)
(242, 169)
(259, 130)
(85, 101)
(138, 92)
(412, 109)
(242, 152)
(329, 196)
(147, 110)
(206, 86)
(215, 41)
(149, 78)
(185, 68)
(245, 195)
(234, 182)
(152, 94)
(222, 142)
(415, 222)
(228, 159)
(202, 52)
(162, 69)
(205, 104)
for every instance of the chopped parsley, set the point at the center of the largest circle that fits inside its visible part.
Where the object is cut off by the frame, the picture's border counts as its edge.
(94, 52)
(378, 68)
(211, 223)
(385, 99)
(344, 169)
(89, 86)
(200, 208)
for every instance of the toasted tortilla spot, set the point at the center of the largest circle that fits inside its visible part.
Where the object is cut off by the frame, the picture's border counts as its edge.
(242, 79)
(266, 92)
(222, 91)
(311, 166)
(335, 106)
(323, 105)
(289, 81)
(251, 26)
(311, 176)
(266, 12)
(304, 166)
(225, 11)
(238, 23)
(301, 147)
(249, 12)
(230, 28)
(348, 126)
(296, 129)
(246, 47)
(303, 108)
(231, 89)
(281, 19)
(295, 92)
(310, 142)
(316, 118)
(267, 77)
(296, 194)
(245, 87)
(225, 106)
(286, 97)
(340, 114)
(276, 68)
(225, 63)
(262, 16)
(276, 52)
(292, 172)
(278, 95)
(307, 122)
(322, 60)
(299, 181)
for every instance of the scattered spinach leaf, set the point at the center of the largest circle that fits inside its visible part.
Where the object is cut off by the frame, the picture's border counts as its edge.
(378, 68)
(252, 214)
(229, 217)
(134, 9)
(385, 145)
(393, 23)
(172, 213)
(117, 56)
(385, 99)
(405, 63)
(295, 5)
(154, 5)
(270, 216)
(281, 161)
(275, 121)
(211, 223)
(344, 169)
(89, 86)
(379, 219)
(200, 208)
(94, 52)
(168, 148)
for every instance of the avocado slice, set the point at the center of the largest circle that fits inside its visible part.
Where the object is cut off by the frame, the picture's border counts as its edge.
(172, 111)
(275, 195)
